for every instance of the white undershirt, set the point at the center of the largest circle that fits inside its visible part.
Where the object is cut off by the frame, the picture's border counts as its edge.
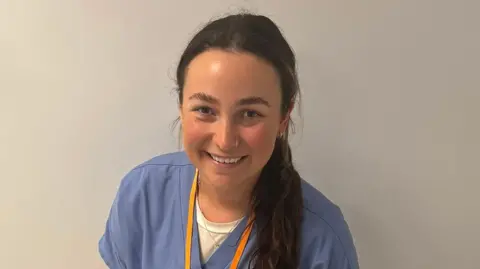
(218, 233)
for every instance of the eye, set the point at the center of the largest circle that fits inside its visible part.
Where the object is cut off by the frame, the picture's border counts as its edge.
(203, 110)
(251, 114)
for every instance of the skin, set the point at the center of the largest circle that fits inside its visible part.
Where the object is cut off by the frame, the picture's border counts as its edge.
(231, 108)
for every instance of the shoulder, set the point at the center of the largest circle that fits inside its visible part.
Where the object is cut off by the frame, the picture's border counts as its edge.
(146, 197)
(326, 236)
(149, 189)
(155, 177)
(150, 184)
(160, 169)
(168, 160)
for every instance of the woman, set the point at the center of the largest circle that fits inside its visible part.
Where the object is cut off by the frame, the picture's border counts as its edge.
(233, 198)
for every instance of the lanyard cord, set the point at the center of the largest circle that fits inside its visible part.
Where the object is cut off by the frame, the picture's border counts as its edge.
(188, 241)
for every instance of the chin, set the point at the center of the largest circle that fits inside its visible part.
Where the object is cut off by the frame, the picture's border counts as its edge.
(220, 178)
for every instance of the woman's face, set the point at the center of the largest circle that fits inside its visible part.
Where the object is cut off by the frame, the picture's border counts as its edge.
(230, 116)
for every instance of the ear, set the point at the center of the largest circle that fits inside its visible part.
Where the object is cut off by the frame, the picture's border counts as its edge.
(180, 112)
(285, 120)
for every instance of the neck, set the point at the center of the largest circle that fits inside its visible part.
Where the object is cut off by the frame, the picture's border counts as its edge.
(226, 203)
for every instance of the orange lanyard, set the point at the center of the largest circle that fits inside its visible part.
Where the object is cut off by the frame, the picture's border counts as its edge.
(188, 241)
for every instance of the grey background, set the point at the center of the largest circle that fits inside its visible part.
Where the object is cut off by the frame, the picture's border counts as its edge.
(390, 128)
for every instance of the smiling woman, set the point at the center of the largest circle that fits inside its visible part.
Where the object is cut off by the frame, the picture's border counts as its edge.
(230, 111)
(233, 198)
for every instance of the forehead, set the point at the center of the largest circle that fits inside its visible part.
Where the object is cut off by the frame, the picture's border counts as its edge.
(229, 76)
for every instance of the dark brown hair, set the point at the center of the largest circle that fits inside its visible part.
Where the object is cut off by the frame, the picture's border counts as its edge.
(277, 197)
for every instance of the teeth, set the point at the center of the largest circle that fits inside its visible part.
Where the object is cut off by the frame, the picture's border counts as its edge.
(225, 160)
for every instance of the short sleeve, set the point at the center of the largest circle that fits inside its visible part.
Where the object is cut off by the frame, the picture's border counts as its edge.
(335, 262)
(328, 245)
(122, 229)
(331, 256)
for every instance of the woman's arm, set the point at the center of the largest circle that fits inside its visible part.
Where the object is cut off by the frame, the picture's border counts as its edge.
(117, 244)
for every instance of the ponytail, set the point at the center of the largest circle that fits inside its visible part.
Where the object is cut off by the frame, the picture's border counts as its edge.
(277, 203)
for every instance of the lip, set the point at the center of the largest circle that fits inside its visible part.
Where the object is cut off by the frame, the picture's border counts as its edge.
(226, 165)
(225, 157)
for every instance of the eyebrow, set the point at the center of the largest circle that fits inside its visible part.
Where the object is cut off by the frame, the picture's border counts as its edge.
(252, 100)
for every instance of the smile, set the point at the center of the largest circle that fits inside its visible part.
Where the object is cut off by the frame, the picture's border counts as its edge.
(226, 160)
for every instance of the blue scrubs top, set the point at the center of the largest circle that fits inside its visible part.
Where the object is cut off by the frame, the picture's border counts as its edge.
(146, 225)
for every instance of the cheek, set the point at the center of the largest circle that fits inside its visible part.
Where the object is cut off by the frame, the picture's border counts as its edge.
(260, 139)
(193, 133)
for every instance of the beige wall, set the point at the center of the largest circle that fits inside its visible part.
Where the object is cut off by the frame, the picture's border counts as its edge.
(391, 97)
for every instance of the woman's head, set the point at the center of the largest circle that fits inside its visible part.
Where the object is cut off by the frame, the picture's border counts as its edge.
(236, 87)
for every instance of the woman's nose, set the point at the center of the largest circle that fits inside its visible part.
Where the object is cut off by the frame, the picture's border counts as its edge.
(225, 135)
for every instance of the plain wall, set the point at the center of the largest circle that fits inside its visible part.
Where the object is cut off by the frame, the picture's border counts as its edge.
(390, 129)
